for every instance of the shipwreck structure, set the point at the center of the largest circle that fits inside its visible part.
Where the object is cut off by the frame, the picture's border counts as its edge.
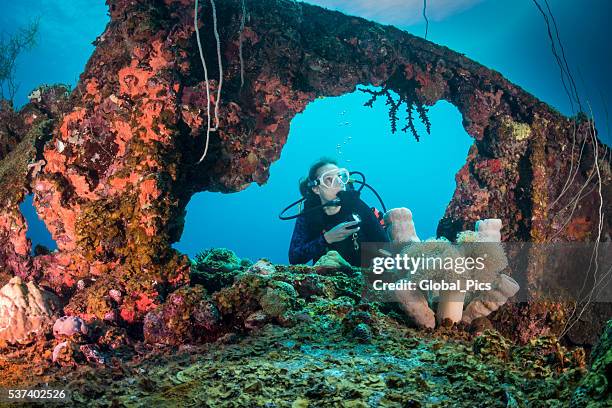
(113, 163)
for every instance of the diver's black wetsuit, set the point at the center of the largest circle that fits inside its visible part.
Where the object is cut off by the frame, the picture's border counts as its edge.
(308, 243)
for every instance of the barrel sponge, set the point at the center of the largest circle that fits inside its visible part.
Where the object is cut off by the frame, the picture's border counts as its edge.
(471, 244)
(489, 229)
(400, 226)
(437, 248)
(414, 304)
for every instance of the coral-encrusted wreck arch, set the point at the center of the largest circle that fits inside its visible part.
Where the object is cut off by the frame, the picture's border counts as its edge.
(113, 181)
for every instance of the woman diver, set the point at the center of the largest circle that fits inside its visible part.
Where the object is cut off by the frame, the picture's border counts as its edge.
(341, 222)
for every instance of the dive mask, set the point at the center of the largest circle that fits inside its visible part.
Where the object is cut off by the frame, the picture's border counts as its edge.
(333, 178)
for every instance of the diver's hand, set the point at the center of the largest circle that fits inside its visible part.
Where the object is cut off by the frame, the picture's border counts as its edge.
(340, 232)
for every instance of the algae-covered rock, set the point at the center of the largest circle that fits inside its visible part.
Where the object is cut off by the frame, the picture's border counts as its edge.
(361, 323)
(312, 284)
(26, 311)
(217, 259)
(278, 299)
(251, 292)
(309, 284)
(595, 389)
(186, 316)
(492, 344)
(242, 298)
(262, 267)
(256, 320)
(480, 324)
(332, 261)
(216, 268)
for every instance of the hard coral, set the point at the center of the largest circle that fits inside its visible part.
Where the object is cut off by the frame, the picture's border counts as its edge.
(250, 293)
(26, 312)
(187, 316)
(215, 268)
(332, 261)
(67, 326)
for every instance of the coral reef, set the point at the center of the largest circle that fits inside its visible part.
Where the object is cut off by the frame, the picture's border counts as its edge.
(187, 316)
(113, 164)
(26, 312)
(594, 389)
(287, 338)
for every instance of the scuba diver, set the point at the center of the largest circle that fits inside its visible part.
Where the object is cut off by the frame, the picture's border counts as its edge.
(334, 217)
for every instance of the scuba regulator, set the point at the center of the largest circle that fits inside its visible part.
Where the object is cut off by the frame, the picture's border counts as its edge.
(348, 196)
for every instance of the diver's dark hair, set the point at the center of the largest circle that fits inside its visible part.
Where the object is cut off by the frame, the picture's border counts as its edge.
(305, 190)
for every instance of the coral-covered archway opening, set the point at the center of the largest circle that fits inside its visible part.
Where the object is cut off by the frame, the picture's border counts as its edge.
(406, 173)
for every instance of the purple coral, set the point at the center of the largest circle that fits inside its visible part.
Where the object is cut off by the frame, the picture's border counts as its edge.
(262, 267)
(115, 295)
(110, 316)
(67, 326)
(92, 354)
(187, 316)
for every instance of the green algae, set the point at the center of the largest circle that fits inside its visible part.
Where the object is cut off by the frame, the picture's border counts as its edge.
(316, 364)
(594, 390)
(519, 131)
(322, 362)
(14, 167)
(216, 268)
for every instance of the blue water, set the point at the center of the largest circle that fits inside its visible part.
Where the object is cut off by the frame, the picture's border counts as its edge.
(505, 35)
(406, 173)
(37, 230)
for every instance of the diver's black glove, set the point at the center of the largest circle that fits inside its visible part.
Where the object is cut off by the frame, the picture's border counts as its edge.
(349, 198)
